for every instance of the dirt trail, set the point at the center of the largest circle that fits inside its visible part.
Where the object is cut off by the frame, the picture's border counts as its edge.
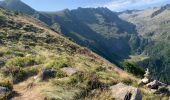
(27, 92)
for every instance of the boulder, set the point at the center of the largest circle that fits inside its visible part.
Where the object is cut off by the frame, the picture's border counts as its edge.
(4, 90)
(125, 92)
(153, 85)
(47, 73)
(69, 71)
(162, 84)
(145, 80)
(163, 89)
(2, 63)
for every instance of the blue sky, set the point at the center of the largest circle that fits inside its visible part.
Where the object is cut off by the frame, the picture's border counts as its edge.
(115, 5)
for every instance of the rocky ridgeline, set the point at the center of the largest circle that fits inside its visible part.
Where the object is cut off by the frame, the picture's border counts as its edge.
(155, 86)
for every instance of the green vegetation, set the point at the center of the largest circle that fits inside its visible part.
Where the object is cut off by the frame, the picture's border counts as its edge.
(133, 68)
(22, 61)
(59, 63)
(28, 48)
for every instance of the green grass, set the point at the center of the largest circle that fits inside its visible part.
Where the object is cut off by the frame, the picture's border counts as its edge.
(22, 61)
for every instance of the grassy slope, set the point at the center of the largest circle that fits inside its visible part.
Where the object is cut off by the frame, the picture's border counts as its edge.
(28, 46)
(37, 43)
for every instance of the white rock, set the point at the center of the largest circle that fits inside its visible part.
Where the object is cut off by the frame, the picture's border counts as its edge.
(145, 80)
(69, 71)
(124, 92)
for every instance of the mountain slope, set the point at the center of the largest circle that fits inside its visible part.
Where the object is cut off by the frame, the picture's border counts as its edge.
(154, 24)
(17, 5)
(28, 48)
(88, 26)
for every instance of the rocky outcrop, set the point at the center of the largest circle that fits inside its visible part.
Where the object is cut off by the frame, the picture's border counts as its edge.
(154, 85)
(69, 71)
(124, 92)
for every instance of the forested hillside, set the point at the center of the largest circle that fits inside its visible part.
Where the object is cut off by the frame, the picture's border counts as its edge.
(154, 25)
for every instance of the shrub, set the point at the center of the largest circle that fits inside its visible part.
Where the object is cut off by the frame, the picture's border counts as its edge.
(60, 74)
(101, 68)
(18, 54)
(59, 63)
(17, 73)
(31, 28)
(31, 71)
(133, 68)
(6, 83)
(92, 80)
(22, 61)
(127, 81)
(16, 12)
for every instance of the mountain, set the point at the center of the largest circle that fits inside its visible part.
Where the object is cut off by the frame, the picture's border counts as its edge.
(36, 62)
(138, 35)
(32, 57)
(97, 28)
(154, 24)
(17, 5)
(86, 26)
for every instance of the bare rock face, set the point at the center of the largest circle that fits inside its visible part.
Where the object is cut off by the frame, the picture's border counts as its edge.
(124, 92)
(69, 71)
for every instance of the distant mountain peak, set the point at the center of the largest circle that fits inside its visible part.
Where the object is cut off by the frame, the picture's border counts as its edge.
(163, 8)
(128, 11)
(17, 5)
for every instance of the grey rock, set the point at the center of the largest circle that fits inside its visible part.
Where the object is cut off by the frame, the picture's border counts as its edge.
(153, 85)
(125, 92)
(145, 80)
(4, 90)
(47, 73)
(2, 63)
(69, 71)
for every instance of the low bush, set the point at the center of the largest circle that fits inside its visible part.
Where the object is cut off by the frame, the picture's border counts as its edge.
(101, 68)
(60, 74)
(22, 61)
(16, 73)
(61, 63)
(6, 83)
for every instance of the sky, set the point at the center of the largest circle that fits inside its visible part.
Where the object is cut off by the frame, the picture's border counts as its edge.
(114, 5)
